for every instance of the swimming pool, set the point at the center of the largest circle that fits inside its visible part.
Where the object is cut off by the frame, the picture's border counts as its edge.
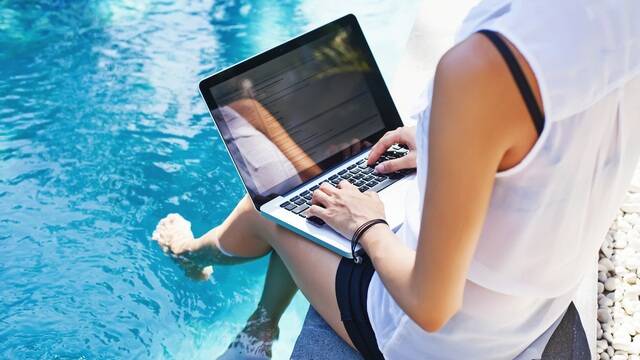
(102, 133)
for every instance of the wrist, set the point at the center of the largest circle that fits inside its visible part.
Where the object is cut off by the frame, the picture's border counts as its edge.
(373, 236)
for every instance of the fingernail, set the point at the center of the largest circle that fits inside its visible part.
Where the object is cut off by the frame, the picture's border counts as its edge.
(379, 168)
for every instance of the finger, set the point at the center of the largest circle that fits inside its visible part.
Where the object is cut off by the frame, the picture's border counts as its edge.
(390, 166)
(344, 184)
(328, 188)
(382, 145)
(318, 211)
(321, 198)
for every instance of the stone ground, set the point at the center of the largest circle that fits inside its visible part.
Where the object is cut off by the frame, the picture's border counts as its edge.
(618, 328)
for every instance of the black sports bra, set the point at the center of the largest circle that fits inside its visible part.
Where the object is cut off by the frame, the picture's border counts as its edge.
(518, 75)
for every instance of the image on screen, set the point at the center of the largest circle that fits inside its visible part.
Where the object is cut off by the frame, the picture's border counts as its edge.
(288, 119)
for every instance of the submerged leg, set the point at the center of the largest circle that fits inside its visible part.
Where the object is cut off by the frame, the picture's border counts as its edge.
(257, 336)
(240, 238)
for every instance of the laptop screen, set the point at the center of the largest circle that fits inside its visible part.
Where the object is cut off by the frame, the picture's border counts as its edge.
(286, 120)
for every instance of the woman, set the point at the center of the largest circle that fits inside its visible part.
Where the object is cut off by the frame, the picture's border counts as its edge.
(525, 144)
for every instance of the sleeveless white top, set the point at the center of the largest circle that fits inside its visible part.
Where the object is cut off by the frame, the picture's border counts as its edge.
(549, 214)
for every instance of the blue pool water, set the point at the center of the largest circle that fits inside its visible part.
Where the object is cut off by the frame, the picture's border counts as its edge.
(102, 133)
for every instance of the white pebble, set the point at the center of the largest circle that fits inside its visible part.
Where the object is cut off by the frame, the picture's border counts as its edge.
(622, 224)
(633, 219)
(632, 262)
(606, 263)
(610, 284)
(618, 314)
(603, 315)
(630, 278)
(607, 251)
(601, 345)
(605, 302)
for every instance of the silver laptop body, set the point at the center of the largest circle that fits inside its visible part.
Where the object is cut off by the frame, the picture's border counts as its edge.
(303, 113)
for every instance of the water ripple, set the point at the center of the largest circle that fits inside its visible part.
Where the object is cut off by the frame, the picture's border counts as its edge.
(102, 133)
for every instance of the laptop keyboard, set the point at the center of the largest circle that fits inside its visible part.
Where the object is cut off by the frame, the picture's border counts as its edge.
(359, 174)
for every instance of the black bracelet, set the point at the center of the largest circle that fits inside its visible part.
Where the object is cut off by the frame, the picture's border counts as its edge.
(355, 239)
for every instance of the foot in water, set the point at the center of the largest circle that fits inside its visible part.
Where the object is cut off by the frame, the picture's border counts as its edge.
(256, 338)
(174, 235)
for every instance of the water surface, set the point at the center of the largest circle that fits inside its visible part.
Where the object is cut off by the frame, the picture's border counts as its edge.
(102, 133)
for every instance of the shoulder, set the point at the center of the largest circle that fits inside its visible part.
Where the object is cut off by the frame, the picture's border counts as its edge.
(477, 65)
(580, 50)
(480, 98)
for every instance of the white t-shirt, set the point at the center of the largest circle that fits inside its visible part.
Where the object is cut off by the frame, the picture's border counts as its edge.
(549, 214)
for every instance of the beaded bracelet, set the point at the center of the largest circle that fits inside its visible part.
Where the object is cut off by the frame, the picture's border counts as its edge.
(355, 239)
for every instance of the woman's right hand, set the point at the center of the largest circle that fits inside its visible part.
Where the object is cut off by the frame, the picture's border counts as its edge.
(406, 136)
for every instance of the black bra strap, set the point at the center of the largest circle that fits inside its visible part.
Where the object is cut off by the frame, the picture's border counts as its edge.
(519, 77)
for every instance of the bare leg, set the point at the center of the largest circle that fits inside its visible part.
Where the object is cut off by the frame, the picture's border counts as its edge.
(313, 268)
(257, 337)
(235, 241)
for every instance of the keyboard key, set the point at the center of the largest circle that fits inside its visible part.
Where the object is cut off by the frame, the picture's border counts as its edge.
(299, 201)
(315, 220)
(342, 172)
(351, 166)
(359, 183)
(293, 199)
(367, 170)
(307, 196)
(363, 188)
(372, 183)
(334, 177)
(369, 178)
(306, 192)
(361, 161)
(382, 185)
(314, 188)
(290, 207)
(300, 209)
(347, 176)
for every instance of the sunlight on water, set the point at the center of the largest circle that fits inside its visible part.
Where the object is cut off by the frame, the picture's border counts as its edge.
(102, 133)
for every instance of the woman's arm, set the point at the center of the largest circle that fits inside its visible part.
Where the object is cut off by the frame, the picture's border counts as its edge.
(479, 125)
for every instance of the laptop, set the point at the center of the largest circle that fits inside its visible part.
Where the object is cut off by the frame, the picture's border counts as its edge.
(306, 112)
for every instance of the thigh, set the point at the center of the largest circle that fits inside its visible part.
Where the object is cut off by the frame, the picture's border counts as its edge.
(313, 268)
(242, 232)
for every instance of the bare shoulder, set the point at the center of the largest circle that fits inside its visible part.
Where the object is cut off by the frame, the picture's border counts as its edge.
(475, 84)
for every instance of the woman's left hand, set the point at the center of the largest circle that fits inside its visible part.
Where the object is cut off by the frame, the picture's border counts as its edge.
(345, 208)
